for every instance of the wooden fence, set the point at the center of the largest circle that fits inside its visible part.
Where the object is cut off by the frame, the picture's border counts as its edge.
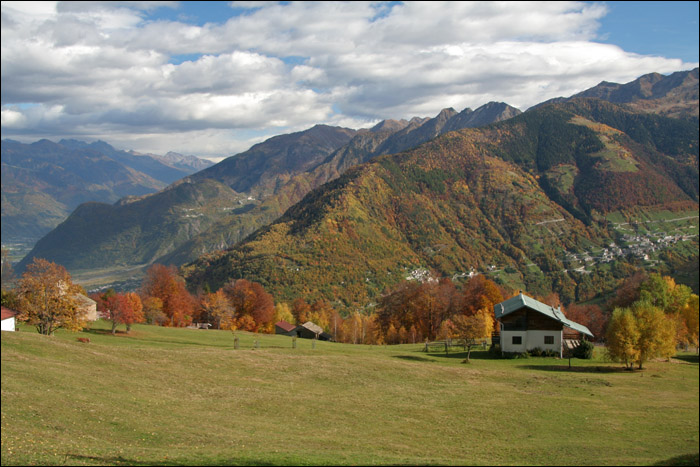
(447, 344)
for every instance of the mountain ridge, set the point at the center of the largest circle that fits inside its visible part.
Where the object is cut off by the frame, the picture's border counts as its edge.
(276, 174)
(466, 200)
(42, 182)
(628, 144)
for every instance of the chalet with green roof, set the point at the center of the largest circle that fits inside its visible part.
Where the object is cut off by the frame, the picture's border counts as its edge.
(527, 324)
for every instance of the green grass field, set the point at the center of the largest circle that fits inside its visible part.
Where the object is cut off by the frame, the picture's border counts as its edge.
(187, 397)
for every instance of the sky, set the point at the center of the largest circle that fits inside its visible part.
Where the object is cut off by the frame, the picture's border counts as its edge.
(213, 78)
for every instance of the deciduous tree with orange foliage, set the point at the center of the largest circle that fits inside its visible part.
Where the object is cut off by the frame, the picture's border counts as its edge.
(480, 293)
(164, 283)
(119, 308)
(46, 298)
(422, 306)
(254, 308)
(300, 310)
(590, 316)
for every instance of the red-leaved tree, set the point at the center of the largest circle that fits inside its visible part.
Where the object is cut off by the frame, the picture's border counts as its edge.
(164, 283)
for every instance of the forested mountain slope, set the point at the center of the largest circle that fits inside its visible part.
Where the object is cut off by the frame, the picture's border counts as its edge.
(519, 195)
(252, 189)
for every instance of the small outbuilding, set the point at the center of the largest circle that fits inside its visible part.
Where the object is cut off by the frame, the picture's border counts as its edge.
(310, 330)
(86, 306)
(527, 324)
(285, 328)
(8, 319)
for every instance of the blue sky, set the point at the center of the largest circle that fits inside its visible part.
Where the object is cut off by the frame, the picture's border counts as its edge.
(213, 78)
(669, 29)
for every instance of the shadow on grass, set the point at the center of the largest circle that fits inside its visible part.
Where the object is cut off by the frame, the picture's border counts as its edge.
(119, 460)
(577, 369)
(102, 332)
(687, 358)
(414, 358)
(686, 459)
(462, 354)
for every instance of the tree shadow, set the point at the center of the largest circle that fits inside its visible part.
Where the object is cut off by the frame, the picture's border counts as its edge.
(462, 354)
(686, 459)
(108, 332)
(687, 358)
(578, 369)
(97, 332)
(414, 358)
(119, 460)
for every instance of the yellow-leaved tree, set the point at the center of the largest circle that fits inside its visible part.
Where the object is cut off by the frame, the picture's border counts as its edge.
(657, 332)
(471, 327)
(47, 298)
(622, 337)
(640, 333)
(691, 319)
(217, 309)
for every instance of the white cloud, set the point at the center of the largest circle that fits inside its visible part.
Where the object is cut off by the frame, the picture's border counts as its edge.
(105, 68)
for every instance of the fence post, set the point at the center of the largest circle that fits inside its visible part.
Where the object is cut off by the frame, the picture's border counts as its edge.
(235, 343)
(294, 342)
(313, 344)
(446, 352)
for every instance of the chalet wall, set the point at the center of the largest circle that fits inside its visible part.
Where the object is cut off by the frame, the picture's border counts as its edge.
(533, 339)
(8, 324)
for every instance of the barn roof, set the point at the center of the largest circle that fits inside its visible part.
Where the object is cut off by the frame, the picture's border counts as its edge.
(520, 301)
(285, 326)
(8, 313)
(315, 328)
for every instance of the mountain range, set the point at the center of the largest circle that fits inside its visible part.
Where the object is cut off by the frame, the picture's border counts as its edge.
(343, 214)
(43, 182)
(220, 205)
(519, 195)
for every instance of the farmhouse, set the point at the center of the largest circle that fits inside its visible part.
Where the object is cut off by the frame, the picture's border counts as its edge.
(8, 319)
(86, 306)
(527, 324)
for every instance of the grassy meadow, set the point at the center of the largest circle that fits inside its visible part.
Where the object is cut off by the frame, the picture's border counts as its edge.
(162, 396)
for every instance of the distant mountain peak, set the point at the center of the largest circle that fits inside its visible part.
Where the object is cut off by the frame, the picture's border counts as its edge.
(390, 125)
(675, 95)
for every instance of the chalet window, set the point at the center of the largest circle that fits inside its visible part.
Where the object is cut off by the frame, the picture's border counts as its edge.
(517, 340)
(549, 340)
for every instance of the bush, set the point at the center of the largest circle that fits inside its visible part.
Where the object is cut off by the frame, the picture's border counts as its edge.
(584, 350)
(514, 355)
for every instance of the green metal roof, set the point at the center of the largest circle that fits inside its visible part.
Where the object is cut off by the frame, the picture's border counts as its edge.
(520, 301)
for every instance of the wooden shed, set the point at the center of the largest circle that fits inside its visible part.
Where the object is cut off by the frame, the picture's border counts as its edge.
(528, 324)
(309, 330)
(285, 328)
